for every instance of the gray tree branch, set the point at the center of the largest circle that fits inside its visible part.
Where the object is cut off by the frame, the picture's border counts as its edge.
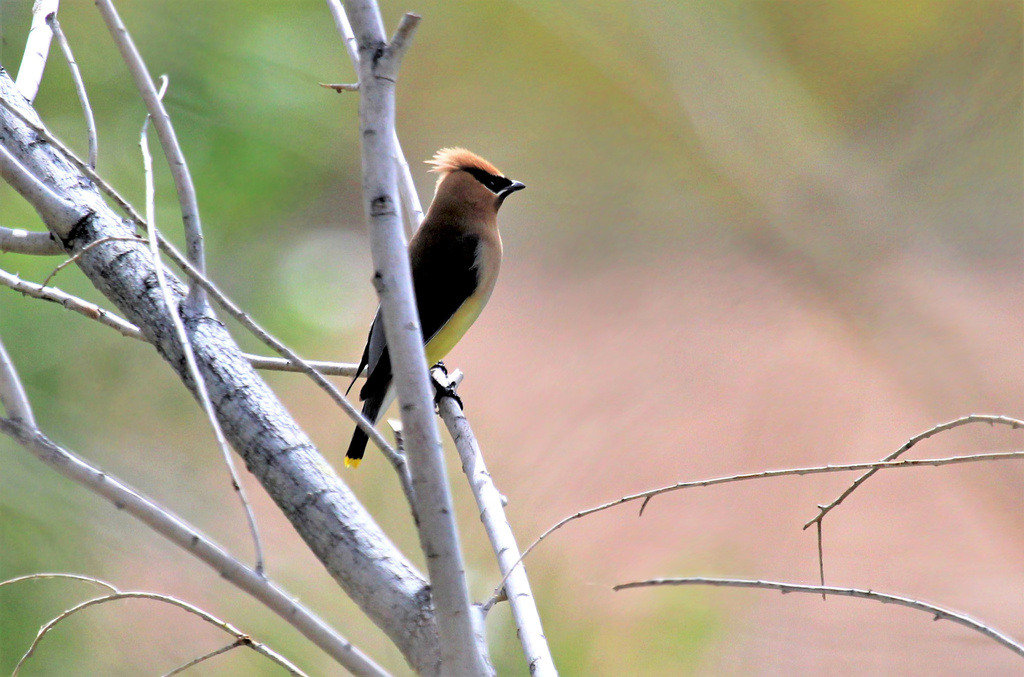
(321, 508)
(499, 531)
(457, 620)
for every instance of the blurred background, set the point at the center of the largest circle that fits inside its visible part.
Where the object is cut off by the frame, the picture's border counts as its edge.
(756, 235)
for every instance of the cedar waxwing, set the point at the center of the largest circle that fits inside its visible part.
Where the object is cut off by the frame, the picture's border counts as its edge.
(455, 256)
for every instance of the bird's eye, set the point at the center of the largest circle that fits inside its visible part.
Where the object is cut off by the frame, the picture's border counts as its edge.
(493, 183)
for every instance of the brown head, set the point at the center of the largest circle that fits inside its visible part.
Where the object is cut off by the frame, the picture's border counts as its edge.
(469, 182)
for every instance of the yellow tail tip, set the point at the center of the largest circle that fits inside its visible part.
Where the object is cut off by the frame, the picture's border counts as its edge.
(352, 462)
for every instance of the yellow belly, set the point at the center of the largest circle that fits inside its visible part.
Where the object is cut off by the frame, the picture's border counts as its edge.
(455, 328)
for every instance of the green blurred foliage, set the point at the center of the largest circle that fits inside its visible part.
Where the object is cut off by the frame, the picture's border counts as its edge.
(594, 106)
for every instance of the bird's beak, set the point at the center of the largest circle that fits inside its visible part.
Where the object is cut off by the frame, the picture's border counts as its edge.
(513, 188)
(508, 191)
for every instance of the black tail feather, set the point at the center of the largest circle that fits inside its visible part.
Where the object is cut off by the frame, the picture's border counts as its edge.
(357, 447)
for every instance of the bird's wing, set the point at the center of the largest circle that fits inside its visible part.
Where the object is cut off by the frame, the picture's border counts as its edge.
(376, 360)
(444, 275)
(365, 359)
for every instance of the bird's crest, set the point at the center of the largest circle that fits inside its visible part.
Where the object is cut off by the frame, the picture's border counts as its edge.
(448, 160)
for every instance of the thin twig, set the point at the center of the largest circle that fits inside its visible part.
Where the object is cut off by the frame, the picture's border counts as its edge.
(168, 142)
(406, 186)
(76, 75)
(186, 344)
(129, 330)
(89, 172)
(73, 303)
(768, 474)
(396, 459)
(192, 541)
(529, 628)
(341, 87)
(70, 577)
(83, 250)
(938, 613)
(283, 364)
(12, 392)
(165, 599)
(37, 48)
(205, 657)
(31, 242)
(327, 368)
(942, 427)
(36, 192)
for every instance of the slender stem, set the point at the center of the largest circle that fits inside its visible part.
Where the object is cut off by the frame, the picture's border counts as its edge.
(499, 531)
(205, 657)
(194, 542)
(942, 427)
(47, 203)
(85, 250)
(129, 330)
(168, 141)
(37, 48)
(939, 613)
(174, 311)
(59, 576)
(83, 97)
(33, 243)
(241, 637)
(406, 186)
(12, 392)
(646, 496)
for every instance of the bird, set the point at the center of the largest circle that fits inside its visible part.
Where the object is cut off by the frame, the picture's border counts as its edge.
(455, 256)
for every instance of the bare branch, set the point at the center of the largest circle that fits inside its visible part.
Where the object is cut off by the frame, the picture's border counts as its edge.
(461, 653)
(59, 576)
(205, 657)
(240, 637)
(37, 48)
(18, 241)
(293, 358)
(29, 118)
(168, 141)
(129, 330)
(76, 75)
(269, 363)
(321, 508)
(406, 185)
(174, 311)
(85, 250)
(646, 496)
(938, 613)
(282, 364)
(90, 310)
(12, 392)
(342, 87)
(942, 427)
(192, 541)
(503, 540)
(49, 205)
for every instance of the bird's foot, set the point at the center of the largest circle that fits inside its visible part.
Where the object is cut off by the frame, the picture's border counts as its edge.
(443, 390)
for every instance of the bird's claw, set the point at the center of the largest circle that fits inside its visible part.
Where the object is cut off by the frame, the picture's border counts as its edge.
(442, 391)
